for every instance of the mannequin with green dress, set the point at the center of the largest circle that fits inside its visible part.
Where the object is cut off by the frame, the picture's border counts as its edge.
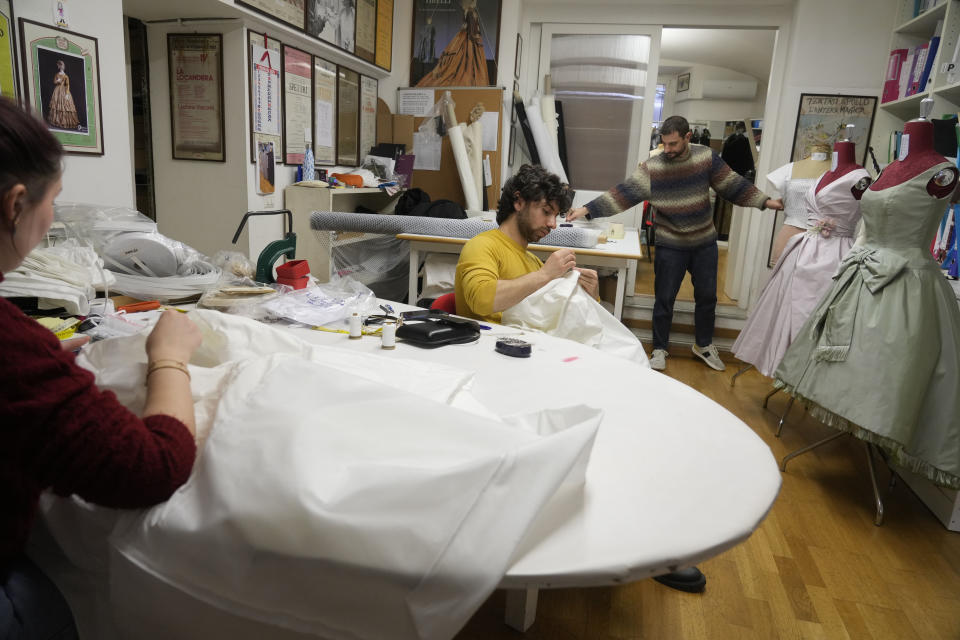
(879, 357)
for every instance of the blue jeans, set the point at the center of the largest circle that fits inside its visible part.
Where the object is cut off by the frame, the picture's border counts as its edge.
(31, 606)
(669, 268)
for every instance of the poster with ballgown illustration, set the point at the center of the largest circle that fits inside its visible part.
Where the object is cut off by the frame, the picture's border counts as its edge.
(61, 72)
(455, 43)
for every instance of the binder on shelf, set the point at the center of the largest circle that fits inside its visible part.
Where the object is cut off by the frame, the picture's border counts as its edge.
(919, 60)
(905, 72)
(925, 76)
(891, 83)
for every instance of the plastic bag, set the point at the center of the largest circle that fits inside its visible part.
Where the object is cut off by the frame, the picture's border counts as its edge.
(326, 303)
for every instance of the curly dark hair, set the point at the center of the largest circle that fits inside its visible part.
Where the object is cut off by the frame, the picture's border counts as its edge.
(533, 183)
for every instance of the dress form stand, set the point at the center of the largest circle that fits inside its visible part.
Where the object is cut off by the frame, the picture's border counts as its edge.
(918, 157)
(809, 168)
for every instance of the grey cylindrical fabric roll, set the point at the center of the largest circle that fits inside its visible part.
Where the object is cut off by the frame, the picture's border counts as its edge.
(423, 225)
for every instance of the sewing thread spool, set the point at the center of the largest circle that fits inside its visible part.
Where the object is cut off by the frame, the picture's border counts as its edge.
(355, 330)
(388, 336)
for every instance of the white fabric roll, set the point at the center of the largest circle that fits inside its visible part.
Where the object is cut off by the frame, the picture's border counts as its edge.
(473, 138)
(549, 157)
(463, 167)
(548, 109)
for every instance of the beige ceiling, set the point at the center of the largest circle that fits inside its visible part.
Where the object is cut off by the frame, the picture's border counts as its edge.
(748, 51)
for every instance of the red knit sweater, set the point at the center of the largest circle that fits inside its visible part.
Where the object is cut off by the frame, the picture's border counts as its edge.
(58, 431)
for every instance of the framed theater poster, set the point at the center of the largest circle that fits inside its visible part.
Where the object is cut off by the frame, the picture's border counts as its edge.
(195, 66)
(455, 43)
(333, 21)
(297, 102)
(9, 86)
(348, 116)
(368, 114)
(324, 112)
(822, 119)
(384, 58)
(266, 100)
(366, 36)
(288, 11)
(61, 78)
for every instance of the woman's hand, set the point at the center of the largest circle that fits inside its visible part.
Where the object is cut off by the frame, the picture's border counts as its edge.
(175, 337)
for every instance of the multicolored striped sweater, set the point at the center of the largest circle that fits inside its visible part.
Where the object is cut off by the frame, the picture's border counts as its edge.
(679, 189)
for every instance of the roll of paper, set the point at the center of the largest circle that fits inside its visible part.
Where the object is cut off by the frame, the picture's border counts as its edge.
(473, 137)
(463, 167)
(548, 110)
(323, 221)
(549, 157)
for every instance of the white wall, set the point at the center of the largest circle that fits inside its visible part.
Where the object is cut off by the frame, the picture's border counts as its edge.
(694, 107)
(106, 179)
(200, 203)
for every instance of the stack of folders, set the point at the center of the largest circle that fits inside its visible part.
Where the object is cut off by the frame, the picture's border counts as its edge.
(909, 70)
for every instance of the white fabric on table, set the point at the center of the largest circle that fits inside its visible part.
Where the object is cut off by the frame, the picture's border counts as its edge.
(337, 493)
(564, 310)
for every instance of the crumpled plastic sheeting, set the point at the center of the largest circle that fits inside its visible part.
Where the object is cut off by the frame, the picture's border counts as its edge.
(340, 504)
(563, 309)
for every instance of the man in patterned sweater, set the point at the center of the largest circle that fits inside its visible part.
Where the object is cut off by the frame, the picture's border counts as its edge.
(677, 182)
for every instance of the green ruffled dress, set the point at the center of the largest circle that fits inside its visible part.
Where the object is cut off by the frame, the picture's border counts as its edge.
(880, 354)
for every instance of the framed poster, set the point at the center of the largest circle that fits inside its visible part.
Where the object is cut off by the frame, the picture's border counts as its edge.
(297, 102)
(333, 21)
(288, 11)
(366, 36)
(265, 93)
(348, 116)
(196, 95)
(61, 78)
(324, 112)
(822, 119)
(455, 43)
(368, 114)
(9, 85)
(384, 57)
(683, 82)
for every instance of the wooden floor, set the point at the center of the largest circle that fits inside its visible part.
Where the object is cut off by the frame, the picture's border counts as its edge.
(644, 281)
(816, 568)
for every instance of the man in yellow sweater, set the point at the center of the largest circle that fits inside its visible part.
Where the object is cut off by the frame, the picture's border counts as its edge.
(495, 270)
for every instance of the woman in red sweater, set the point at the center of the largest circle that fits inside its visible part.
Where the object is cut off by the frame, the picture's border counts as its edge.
(57, 430)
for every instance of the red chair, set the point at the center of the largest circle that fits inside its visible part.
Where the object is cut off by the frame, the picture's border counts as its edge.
(446, 302)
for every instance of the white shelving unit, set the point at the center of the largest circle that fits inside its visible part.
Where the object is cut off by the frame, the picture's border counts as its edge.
(911, 32)
(944, 503)
(315, 246)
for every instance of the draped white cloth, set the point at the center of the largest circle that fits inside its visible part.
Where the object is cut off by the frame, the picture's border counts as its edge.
(563, 309)
(338, 494)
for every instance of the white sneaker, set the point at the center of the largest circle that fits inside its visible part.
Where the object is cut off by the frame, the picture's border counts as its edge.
(658, 359)
(709, 355)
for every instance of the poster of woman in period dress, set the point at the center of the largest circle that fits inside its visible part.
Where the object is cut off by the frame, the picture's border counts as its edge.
(62, 83)
(61, 110)
(333, 21)
(465, 32)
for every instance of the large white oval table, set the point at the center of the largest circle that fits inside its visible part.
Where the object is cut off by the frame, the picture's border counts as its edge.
(673, 479)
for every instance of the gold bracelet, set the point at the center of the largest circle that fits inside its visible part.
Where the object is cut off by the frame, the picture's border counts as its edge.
(167, 364)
